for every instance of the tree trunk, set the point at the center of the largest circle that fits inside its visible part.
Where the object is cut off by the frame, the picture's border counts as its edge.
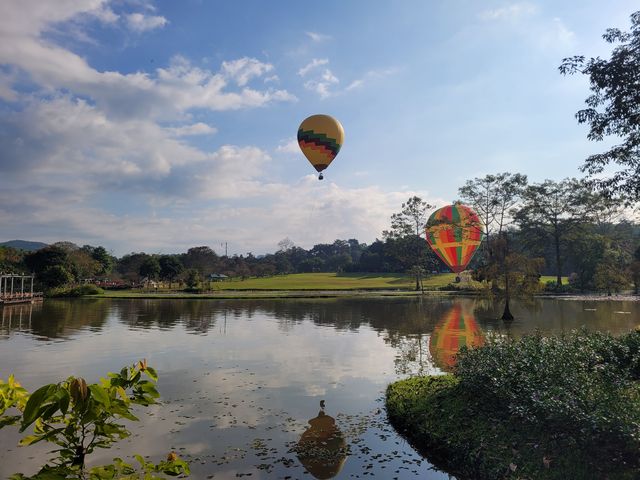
(558, 260)
(506, 314)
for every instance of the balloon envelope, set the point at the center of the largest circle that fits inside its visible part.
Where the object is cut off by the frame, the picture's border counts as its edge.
(320, 138)
(454, 233)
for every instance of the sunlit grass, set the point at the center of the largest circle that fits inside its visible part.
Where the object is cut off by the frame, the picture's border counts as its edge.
(333, 281)
(552, 278)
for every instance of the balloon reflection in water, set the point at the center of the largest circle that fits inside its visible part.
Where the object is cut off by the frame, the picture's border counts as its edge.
(322, 447)
(458, 328)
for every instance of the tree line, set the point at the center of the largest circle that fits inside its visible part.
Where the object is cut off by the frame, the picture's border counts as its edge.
(560, 228)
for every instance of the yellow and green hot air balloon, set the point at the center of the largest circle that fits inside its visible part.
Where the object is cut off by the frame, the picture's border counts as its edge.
(320, 138)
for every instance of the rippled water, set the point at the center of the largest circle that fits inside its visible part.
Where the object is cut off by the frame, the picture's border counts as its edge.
(242, 381)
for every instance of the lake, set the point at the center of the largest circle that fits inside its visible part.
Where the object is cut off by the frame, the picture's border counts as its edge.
(245, 384)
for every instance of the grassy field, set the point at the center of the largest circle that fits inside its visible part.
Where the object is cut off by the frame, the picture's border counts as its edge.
(334, 281)
(294, 285)
(304, 282)
(552, 278)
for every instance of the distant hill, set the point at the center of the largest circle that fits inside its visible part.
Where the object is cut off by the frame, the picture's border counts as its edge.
(23, 245)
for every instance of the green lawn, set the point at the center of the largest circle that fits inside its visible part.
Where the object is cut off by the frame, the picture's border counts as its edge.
(334, 281)
(311, 282)
(552, 278)
(300, 282)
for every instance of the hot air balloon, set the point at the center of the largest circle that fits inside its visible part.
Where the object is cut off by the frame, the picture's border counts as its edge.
(320, 138)
(454, 233)
(458, 328)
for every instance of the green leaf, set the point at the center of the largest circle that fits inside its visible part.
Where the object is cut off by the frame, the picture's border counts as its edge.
(105, 472)
(32, 408)
(99, 394)
(30, 440)
(64, 400)
(151, 373)
(9, 420)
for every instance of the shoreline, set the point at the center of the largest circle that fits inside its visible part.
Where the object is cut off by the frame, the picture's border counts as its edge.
(275, 294)
(340, 293)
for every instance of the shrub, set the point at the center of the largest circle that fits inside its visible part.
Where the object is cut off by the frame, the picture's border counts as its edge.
(552, 286)
(578, 384)
(79, 291)
(78, 418)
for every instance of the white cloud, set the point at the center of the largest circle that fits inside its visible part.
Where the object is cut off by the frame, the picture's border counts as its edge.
(308, 211)
(510, 12)
(355, 84)
(243, 69)
(322, 83)
(194, 129)
(140, 22)
(318, 37)
(312, 65)
(289, 146)
(106, 15)
(525, 20)
(165, 93)
(557, 34)
(87, 154)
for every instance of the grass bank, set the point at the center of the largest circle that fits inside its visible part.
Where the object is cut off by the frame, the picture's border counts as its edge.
(335, 281)
(536, 408)
(298, 285)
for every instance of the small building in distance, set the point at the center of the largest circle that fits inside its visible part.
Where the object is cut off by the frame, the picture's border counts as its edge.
(218, 277)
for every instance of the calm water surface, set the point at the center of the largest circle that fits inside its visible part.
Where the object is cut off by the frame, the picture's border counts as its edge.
(241, 381)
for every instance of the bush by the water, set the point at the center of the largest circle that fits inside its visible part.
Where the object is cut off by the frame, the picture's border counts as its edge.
(539, 407)
(79, 291)
(583, 385)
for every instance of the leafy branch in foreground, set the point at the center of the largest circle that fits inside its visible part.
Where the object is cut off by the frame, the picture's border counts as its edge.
(79, 418)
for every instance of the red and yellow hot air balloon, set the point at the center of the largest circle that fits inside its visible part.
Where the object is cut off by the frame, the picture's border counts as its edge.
(454, 233)
(458, 328)
(320, 138)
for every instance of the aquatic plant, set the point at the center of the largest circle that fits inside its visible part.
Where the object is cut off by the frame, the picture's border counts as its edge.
(78, 418)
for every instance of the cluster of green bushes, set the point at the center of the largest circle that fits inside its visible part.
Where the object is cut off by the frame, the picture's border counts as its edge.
(583, 384)
(537, 407)
(79, 291)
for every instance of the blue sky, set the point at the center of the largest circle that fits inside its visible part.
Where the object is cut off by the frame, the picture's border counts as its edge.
(157, 126)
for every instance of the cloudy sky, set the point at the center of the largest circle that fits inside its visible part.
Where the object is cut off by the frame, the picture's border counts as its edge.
(160, 125)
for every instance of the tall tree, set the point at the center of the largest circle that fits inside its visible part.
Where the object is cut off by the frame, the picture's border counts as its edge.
(51, 265)
(170, 268)
(150, 268)
(410, 224)
(550, 212)
(613, 110)
(203, 259)
(492, 197)
(105, 260)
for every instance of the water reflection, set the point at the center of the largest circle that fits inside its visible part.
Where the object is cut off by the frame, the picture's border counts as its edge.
(54, 319)
(17, 318)
(322, 447)
(236, 374)
(458, 328)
